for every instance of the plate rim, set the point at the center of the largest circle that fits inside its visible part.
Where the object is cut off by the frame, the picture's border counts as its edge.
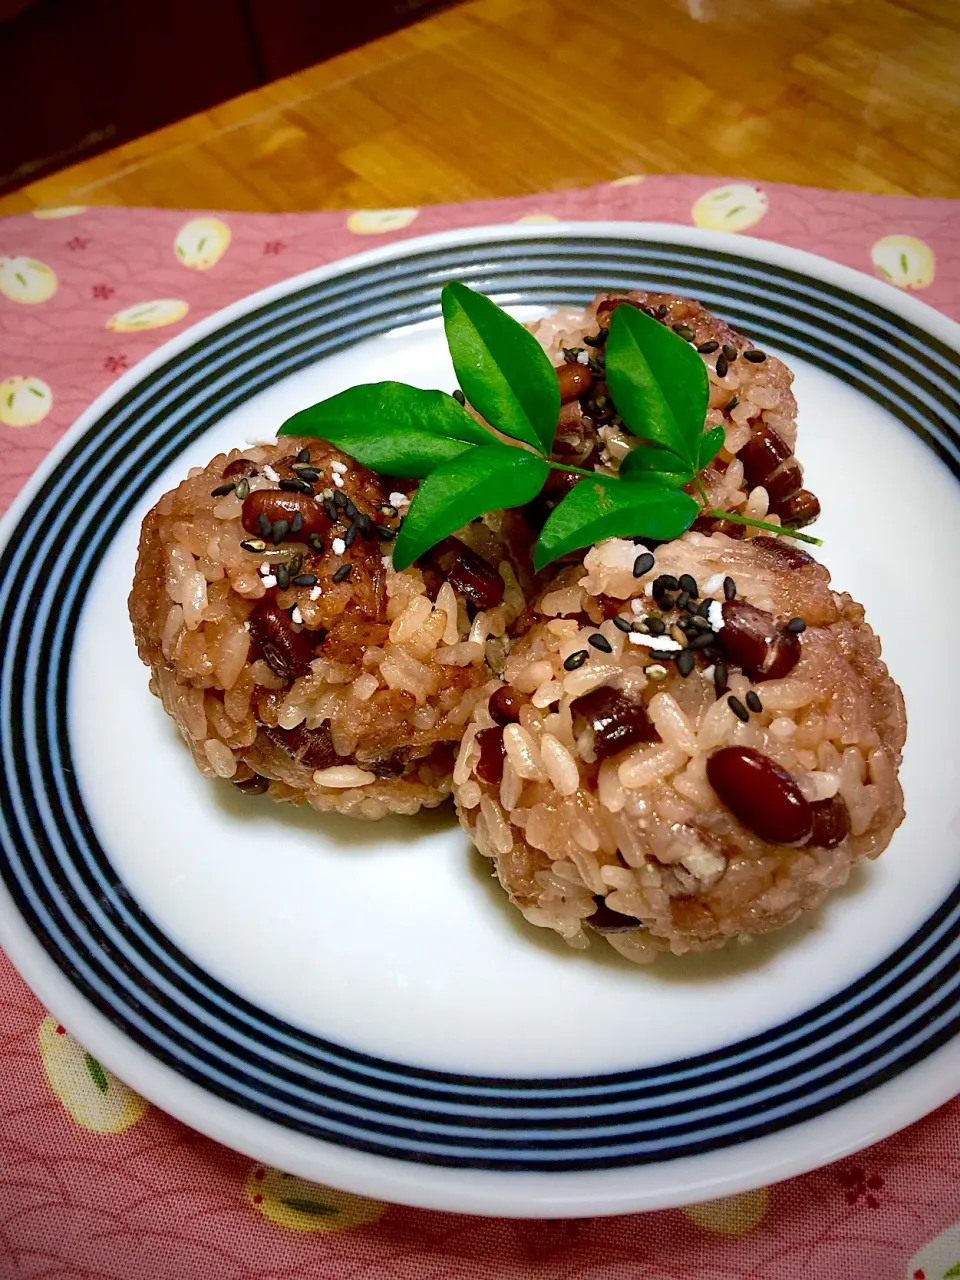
(581, 1193)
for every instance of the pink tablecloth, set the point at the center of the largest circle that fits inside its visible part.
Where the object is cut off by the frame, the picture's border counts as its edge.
(94, 1183)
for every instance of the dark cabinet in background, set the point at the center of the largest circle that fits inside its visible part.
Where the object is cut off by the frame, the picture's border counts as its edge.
(80, 76)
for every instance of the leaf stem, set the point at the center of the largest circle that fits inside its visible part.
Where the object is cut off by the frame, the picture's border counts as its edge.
(763, 524)
(703, 492)
(577, 471)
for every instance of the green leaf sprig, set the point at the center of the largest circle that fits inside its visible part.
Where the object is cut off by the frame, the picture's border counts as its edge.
(656, 379)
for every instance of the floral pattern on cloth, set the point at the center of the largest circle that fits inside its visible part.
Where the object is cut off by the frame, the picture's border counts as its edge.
(98, 1185)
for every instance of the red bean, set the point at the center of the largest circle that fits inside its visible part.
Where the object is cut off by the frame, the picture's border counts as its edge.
(287, 652)
(831, 823)
(780, 554)
(799, 509)
(489, 767)
(575, 380)
(310, 747)
(761, 795)
(255, 785)
(785, 481)
(239, 467)
(618, 722)
(762, 454)
(709, 524)
(467, 572)
(606, 920)
(754, 640)
(504, 705)
(276, 505)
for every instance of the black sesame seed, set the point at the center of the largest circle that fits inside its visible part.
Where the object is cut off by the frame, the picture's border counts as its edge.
(280, 530)
(264, 527)
(349, 510)
(720, 677)
(665, 601)
(703, 640)
(596, 339)
(306, 472)
(755, 356)
(643, 564)
(459, 396)
(699, 623)
(342, 573)
(296, 485)
(683, 599)
(576, 660)
(640, 626)
(729, 589)
(753, 701)
(283, 576)
(666, 582)
(684, 331)
(656, 626)
(730, 352)
(340, 499)
(662, 310)
(621, 623)
(305, 580)
(253, 544)
(222, 490)
(686, 661)
(738, 709)
(600, 642)
(296, 524)
(659, 655)
(570, 354)
(333, 515)
(704, 609)
(722, 365)
(316, 541)
(303, 455)
(708, 348)
(797, 626)
(731, 404)
(689, 584)
(243, 488)
(385, 534)
(350, 536)
(295, 565)
(596, 364)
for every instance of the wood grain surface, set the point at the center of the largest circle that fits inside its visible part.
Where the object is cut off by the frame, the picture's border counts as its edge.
(505, 97)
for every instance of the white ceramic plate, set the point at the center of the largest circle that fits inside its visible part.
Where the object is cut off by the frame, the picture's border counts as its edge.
(358, 1004)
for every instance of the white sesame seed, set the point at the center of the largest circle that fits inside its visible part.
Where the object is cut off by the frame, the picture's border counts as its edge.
(716, 616)
(648, 589)
(270, 473)
(583, 358)
(339, 467)
(265, 568)
(314, 593)
(339, 546)
(656, 672)
(708, 672)
(663, 643)
(637, 607)
(296, 616)
(399, 500)
(269, 580)
(712, 584)
(338, 480)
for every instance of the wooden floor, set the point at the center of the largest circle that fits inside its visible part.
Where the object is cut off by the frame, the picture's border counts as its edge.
(504, 97)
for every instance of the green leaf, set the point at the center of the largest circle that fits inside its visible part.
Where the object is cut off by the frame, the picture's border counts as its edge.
(313, 1207)
(97, 1072)
(391, 428)
(711, 442)
(658, 382)
(605, 507)
(953, 1272)
(486, 479)
(645, 460)
(504, 372)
